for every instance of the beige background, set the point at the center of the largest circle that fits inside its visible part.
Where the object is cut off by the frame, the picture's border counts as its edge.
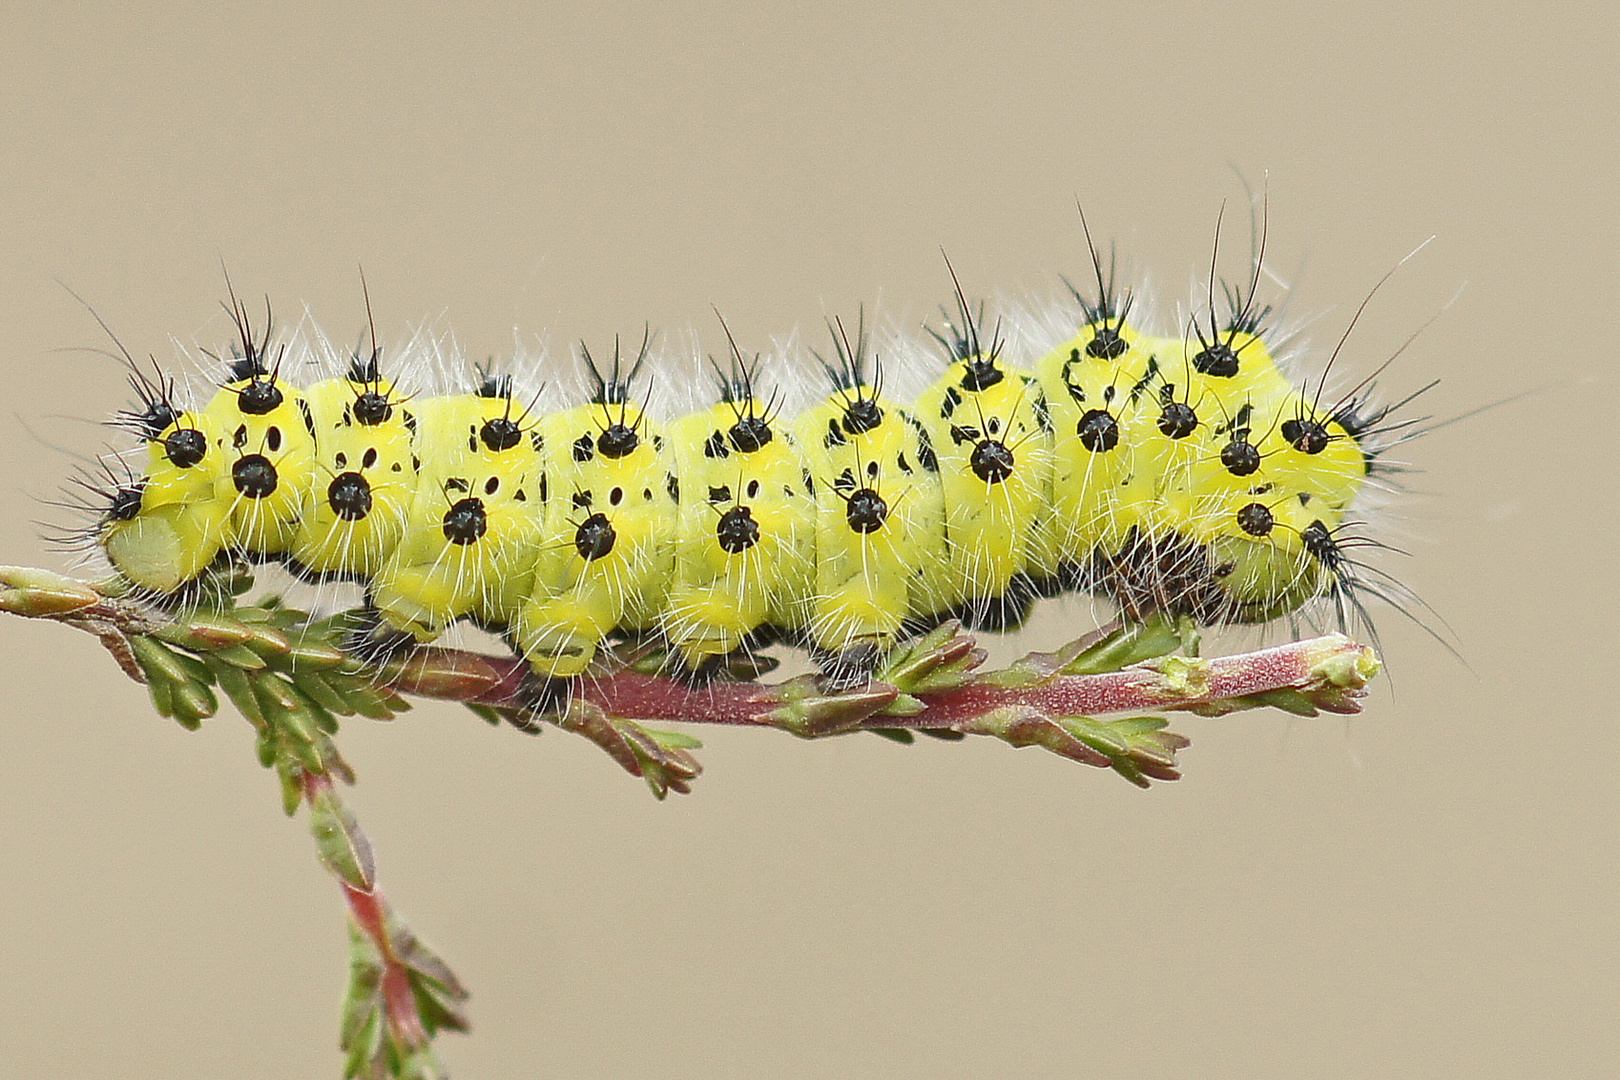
(1426, 891)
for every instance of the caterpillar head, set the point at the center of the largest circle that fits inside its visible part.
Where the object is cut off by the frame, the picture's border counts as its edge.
(163, 531)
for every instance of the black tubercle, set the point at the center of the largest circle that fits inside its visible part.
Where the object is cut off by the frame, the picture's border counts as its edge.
(1240, 457)
(259, 397)
(1106, 315)
(247, 367)
(865, 511)
(750, 434)
(1373, 430)
(982, 373)
(364, 369)
(491, 385)
(736, 531)
(861, 415)
(617, 440)
(466, 522)
(151, 421)
(1177, 420)
(1106, 344)
(372, 408)
(254, 476)
(1255, 519)
(126, 502)
(612, 387)
(349, 495)
(964, 340)
(185, 447)
(500, 433)
(248, 363)
(1218, 359)
(1320, 543)
(155, 393)
(1098, 431)
(595, 537)
(1306, 436)
(992, 461)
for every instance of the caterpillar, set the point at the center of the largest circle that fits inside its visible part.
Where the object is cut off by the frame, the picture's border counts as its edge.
(1181, 473)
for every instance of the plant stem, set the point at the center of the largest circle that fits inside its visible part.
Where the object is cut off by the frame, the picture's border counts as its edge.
(1307, 666)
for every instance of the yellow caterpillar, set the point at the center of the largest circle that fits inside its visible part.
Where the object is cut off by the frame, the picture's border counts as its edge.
(1182, 474)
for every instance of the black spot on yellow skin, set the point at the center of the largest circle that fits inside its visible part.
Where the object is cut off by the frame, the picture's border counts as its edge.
(259, 398)
(865, 511)
(1255, 519)
(254, 476)
(185, 447)
(736, 531)
(1098, 431)
(349, 495)
(594, 539)
(465, 522)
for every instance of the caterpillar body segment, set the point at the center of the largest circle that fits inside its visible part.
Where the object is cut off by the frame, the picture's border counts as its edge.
(476, 519)
(268, 440)
(357, 506)
(176, 525)
(1094, 389)
(992, 436)
(269, 454)
(745, 547)
(879, 518)
(606, 561)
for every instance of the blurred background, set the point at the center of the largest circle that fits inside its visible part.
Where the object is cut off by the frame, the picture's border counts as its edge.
(1427, 890)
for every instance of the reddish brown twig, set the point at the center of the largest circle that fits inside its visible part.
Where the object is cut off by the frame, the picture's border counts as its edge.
(1331, 670)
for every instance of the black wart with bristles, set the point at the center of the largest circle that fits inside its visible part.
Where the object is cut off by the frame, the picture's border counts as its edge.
(1105, 316)
(1220, 352)
(751, 429)
(963, 340)
(858, 394)
(620, 437)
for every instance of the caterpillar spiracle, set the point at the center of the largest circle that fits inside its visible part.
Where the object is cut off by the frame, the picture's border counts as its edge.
(1181, 473)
